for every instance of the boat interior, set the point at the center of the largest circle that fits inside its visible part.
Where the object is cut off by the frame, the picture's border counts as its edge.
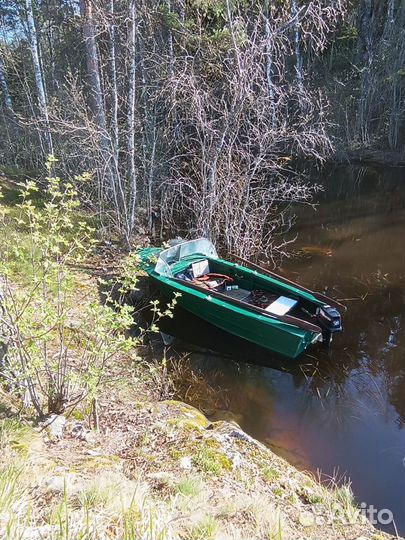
(244, 286)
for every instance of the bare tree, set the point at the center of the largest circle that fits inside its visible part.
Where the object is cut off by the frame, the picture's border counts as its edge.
(235, 178)
(200, 119)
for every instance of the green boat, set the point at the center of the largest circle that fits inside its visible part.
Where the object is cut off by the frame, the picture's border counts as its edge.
(243, 299)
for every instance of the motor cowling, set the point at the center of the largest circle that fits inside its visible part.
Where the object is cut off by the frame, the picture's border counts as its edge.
(329, 320)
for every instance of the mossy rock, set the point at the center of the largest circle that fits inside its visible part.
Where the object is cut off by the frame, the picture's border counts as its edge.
(226, 416)
(211, 461)
(185, 414)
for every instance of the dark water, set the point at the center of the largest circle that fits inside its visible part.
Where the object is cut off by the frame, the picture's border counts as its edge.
(340, 411)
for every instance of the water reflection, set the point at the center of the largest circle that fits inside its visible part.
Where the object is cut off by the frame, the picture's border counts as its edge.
(344, 408)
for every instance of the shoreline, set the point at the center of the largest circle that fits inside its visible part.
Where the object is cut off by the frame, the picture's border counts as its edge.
(204, 479)
(367, 156)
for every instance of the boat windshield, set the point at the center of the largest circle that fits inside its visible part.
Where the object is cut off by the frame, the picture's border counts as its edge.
(168, 257)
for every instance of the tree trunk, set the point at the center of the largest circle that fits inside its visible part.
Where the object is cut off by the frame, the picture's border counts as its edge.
(114, 93)
(269, 61)
(297, 45)
(8, 103)
(93, 73)
(117, 187)
(170, 42)
(131, 115)
(38, 74)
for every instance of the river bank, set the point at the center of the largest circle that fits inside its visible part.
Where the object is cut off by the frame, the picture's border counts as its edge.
(160, 470)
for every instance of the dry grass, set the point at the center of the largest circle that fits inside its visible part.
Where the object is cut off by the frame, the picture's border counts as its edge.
(131, 480)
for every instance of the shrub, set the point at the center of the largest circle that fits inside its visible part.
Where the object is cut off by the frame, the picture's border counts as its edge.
(59, 339)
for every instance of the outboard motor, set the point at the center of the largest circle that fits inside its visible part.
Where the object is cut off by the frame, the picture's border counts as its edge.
(330, 321)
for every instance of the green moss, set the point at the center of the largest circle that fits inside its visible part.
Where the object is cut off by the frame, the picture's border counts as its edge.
(78, 415)
(184, 424)
(176, 454)
(183, 413)
(270, 474)
(211, 461)
(309, 495)
(293, 499)
(313, 498)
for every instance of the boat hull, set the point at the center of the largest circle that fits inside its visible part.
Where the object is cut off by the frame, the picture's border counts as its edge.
(274, 335)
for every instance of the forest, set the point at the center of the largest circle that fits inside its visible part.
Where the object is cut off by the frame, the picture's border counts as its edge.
(199, 116)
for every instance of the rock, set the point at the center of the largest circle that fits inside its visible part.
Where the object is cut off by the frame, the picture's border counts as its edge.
(93, 453)
(185, 415)
(55, 424)
(185, 463)
(236, 459)
(306, 519)
(226, 416)
(80, 432)
(58, 484)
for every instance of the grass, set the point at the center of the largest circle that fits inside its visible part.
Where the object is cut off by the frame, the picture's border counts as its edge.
(12, 488)
(205, 529)
(189, 487)
(211, 461)
(344, 496)
(275, 531)
(104, 501)
(102, 491)
(16, 436)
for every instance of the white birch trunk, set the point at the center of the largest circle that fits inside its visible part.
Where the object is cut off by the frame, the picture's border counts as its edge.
(8, 103)
(117, 187)
(170, 43)
(114, 92)
(38, 74)
(269, 61)
(297, 45)
(131, 115)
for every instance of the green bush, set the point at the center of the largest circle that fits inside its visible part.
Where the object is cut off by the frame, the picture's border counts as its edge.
(60, 339)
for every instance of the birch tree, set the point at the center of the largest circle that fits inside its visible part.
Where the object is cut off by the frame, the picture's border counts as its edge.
(7, 101)
(131, 114)
(38, 74)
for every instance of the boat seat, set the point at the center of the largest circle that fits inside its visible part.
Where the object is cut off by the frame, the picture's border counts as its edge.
(200, 268)
(281, 306)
